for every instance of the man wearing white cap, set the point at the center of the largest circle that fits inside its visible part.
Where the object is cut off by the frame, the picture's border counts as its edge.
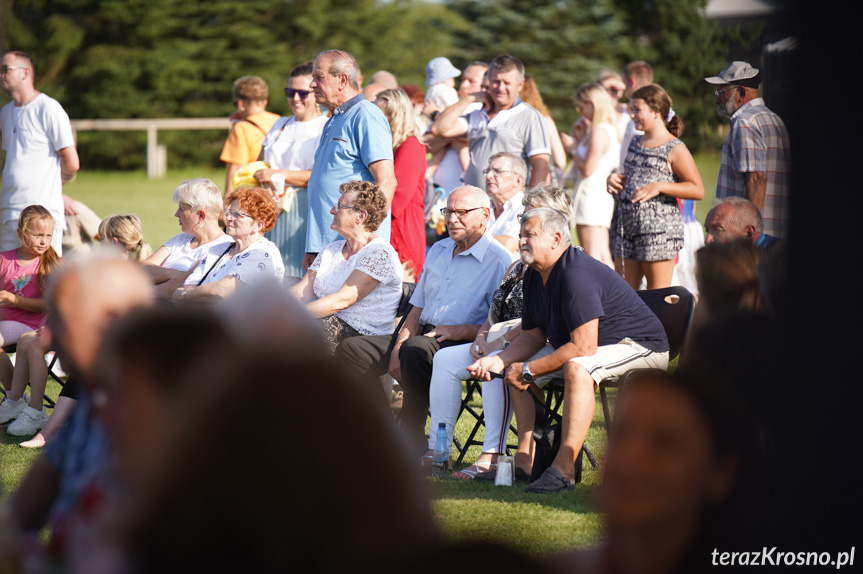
(440, 80)
(756, 156)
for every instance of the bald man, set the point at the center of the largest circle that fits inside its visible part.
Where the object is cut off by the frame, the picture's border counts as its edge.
(736, 218)
(40, 151)
(450, 303)
(84, 298)
(386, 79)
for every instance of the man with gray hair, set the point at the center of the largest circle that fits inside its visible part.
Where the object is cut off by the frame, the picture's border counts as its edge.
(736, 218)
(505, 123)
(356, 145)
(504, 184)
(450, 303)
(596, 327)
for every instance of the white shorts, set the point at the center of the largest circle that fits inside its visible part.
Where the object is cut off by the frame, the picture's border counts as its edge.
(609, 361)
(593, 204)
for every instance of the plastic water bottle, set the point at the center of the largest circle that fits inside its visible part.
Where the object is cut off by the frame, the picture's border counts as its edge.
(440, 458)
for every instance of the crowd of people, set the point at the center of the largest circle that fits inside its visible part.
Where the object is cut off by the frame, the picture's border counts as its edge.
(327, 215)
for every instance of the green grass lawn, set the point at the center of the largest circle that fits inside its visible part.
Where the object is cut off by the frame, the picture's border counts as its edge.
(535, 524)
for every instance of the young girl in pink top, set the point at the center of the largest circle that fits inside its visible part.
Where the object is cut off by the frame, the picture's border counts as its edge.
(23, 275)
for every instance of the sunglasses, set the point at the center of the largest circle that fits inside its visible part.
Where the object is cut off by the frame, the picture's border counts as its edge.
(290, 92)
(4, 69)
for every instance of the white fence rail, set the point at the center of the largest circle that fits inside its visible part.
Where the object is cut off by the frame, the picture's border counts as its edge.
(157, 155)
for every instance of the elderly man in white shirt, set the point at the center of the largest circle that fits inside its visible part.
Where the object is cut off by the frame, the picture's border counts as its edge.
(504, 184)
(450, 303)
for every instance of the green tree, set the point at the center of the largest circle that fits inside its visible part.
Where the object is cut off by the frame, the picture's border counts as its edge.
(683, 47)
(563, 43)
(179, 58)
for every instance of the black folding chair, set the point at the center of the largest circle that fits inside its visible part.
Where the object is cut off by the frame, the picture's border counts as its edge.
(674, 307)
(49, 402)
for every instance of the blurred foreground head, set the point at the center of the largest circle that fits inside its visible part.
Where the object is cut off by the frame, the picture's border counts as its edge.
(85, 297)
(681, 472)
(276, 459)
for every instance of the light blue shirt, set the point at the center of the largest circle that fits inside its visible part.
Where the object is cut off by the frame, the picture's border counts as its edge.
(356, 136)
(457, 290)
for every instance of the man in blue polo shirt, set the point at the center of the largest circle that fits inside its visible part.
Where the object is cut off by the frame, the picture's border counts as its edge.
(356, 145)
(596, 327)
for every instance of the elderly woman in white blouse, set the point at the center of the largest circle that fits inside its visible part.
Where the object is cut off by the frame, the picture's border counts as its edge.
(354, 285)
(176, 263)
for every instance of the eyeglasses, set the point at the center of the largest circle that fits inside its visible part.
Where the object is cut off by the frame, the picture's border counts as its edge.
(235, 214)
(343, 206)
(718, 91)
(495, 170)
(459, 213)
(291, 92)
(4, 69)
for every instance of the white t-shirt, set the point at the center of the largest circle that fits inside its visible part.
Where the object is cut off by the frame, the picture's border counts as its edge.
(294, 146)
(507, 223)
(258, 263)
(32, 136)
(630, 133)
(181, 256)
(375, 313)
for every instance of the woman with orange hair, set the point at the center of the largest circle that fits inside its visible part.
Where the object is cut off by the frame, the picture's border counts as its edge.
(250, 259)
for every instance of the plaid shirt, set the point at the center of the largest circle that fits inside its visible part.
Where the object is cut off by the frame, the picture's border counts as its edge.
(758, 142)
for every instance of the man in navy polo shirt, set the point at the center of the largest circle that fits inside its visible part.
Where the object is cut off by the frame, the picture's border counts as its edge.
(356, 145)
(596, 326)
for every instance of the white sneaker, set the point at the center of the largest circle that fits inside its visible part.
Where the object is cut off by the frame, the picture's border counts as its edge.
(29, 422)
(9, 410)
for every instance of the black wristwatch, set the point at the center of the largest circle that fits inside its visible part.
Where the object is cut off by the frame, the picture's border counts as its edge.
(526, 374)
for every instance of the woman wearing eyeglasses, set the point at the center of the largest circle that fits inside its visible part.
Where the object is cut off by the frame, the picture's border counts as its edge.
(355, 284)
(250, 259)
(289, 149)
(176, 262)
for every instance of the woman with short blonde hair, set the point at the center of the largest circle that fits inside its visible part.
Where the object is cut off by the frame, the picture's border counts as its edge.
(175, 263)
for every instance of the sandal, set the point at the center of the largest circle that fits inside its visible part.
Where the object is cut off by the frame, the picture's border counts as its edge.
(550, 482)
(471, 472)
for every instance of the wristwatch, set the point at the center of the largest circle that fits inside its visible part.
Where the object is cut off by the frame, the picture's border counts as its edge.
(525, 373)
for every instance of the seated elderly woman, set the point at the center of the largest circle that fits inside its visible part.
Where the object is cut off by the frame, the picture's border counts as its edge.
(174, 264)
(249, 260)
(502, 326)
(354, 285)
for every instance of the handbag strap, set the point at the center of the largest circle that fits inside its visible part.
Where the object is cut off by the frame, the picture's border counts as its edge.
(213, 266)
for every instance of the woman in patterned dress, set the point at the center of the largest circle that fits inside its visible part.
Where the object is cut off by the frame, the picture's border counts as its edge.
(355, 284)
(648, 230)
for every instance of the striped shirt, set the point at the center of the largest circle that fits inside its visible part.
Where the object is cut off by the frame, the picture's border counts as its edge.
(758, 142)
